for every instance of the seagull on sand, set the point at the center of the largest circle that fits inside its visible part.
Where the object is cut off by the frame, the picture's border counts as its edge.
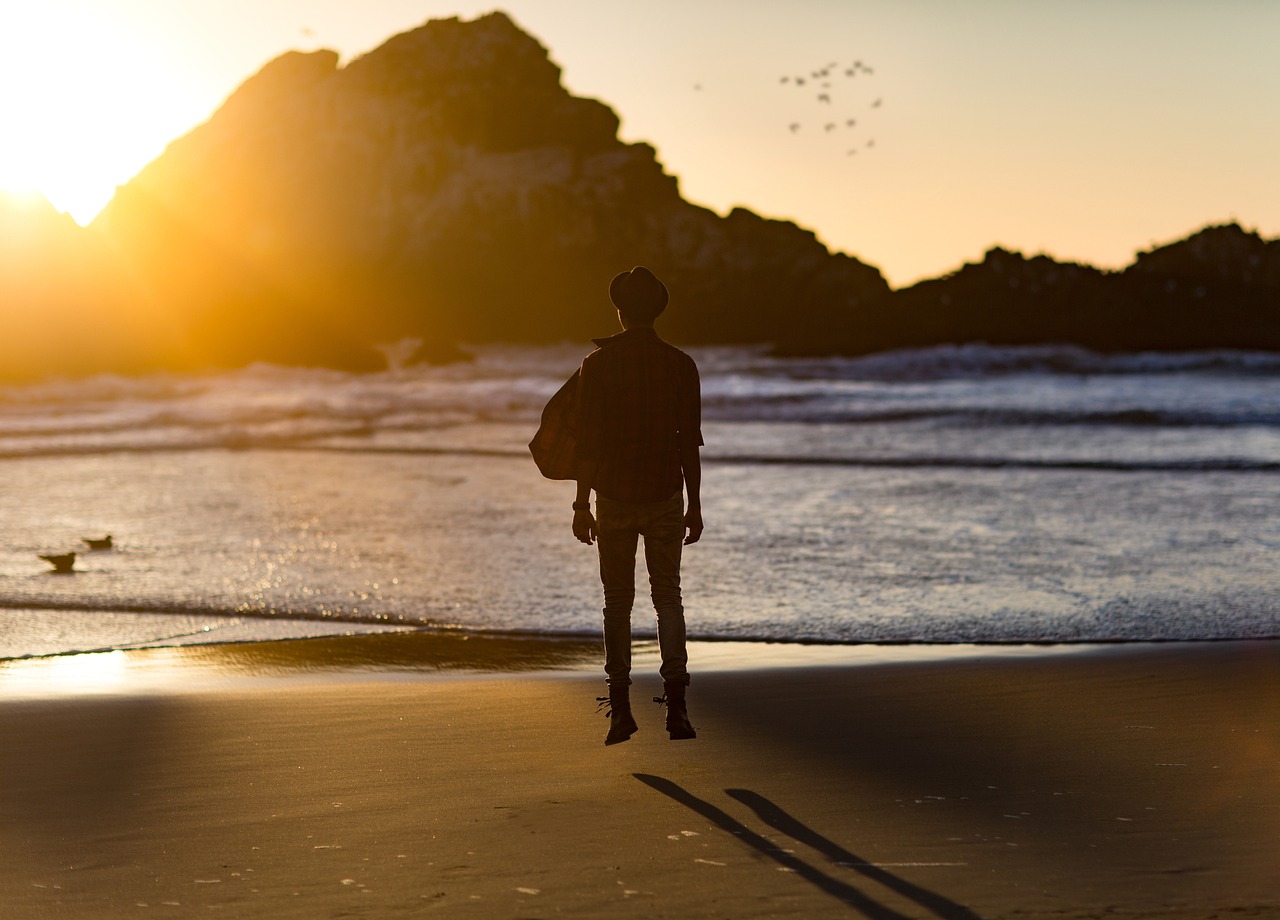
(97, 542)
(62, 563)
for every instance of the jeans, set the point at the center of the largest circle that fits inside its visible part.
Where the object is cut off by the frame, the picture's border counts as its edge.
(619, 525)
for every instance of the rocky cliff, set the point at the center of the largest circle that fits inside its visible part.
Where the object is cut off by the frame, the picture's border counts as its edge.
(1219, 288)
(446, 186)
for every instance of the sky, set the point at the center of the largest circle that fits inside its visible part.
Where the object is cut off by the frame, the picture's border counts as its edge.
(1087, 130)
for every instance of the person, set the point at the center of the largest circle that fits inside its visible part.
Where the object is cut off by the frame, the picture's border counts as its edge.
(638, 429)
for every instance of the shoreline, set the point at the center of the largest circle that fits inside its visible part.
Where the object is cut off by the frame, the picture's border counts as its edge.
(427, 654)
(1128, 781)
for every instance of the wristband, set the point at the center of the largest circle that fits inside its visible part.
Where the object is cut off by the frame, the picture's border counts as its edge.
(582, 506)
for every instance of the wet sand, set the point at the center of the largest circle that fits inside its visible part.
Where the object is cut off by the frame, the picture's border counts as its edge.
(1130, 781)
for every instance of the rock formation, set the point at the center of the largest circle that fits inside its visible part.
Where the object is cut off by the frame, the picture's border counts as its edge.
(1220, 288)
(446, 187)
(1217, 288)
(443, 186)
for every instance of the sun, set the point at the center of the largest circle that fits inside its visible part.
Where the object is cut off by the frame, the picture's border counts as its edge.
(85, 102)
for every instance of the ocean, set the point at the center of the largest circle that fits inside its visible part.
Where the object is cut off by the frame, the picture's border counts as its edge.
(947, 495)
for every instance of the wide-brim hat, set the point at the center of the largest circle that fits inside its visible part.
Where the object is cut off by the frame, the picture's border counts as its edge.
(638, 293)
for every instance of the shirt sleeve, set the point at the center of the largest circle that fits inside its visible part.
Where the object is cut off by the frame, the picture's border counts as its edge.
(690, 420)
(587, 418)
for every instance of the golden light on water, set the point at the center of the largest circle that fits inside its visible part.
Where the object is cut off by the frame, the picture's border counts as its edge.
(71, 675)
(84, 103)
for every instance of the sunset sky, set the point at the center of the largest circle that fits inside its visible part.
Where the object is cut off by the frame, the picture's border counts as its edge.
(1083, 129)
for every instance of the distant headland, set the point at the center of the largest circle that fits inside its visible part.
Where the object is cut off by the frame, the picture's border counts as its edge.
(446, 186)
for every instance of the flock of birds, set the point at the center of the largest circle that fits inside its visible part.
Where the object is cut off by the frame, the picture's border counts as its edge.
(65, 563)
(829, 88)
(821, 83)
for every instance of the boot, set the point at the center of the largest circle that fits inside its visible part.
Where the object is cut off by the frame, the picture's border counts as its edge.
(678, 725)
(622, 724)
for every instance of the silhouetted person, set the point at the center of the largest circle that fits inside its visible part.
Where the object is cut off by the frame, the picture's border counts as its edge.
(639, 430)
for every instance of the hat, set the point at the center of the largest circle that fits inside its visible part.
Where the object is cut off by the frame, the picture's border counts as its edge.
(638, 294)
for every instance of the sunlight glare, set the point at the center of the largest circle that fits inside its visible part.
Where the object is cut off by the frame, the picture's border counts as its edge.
(65, 675)
(84, 103)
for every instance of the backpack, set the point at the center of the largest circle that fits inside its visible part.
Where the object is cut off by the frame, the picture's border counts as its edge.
(555, 446)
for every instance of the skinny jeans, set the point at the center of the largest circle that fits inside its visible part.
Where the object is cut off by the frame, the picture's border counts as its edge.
(619, 527)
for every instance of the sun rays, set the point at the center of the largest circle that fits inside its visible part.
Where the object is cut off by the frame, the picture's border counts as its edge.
(85, 101)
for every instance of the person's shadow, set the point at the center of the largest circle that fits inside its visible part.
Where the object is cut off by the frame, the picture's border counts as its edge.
(785, 823)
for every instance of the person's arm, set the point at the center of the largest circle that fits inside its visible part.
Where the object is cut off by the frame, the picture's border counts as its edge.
(584, 522)
(588, 460)
(690, 457)
(691, 465)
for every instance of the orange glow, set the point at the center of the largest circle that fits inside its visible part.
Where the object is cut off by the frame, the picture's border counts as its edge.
(83, 106)
(1115, 135)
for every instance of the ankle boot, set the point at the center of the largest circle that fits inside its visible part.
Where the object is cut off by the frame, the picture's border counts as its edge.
(678, 725)
(622, 724)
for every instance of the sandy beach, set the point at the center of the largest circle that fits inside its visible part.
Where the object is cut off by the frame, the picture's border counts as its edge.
(1128, 781)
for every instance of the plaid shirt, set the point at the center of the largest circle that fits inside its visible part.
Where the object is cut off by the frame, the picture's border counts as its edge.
(639, 403)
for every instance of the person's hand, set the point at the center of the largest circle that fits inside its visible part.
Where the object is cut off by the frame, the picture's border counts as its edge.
(584, 527)
(692, 525)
